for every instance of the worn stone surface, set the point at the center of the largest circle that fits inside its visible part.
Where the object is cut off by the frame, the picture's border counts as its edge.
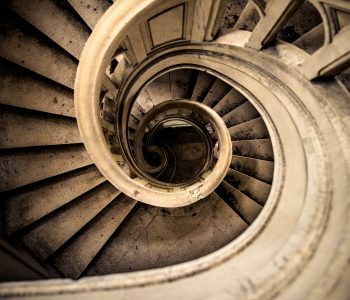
(245, 207)
(260, 148)
(297, 248)
(165, 237)
(77, 255)
(250, 130)
(229, 102)
(51, 18)
(25, 166)
(257, 168)
(17, 127)
(28, 205)
(243, 113)
(49, 235)
(203, 84)
(181, 83)
(218, 90)
(34, 51)
(91, 11)
(22, 88)
(250, 186)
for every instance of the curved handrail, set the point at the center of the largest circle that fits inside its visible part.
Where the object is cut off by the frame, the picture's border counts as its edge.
(153, 113)
(105, 39)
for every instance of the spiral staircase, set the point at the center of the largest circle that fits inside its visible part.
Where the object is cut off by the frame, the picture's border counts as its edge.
(153, 148)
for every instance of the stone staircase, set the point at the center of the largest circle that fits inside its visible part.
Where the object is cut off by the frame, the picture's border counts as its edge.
(59, 209)
(58, 205)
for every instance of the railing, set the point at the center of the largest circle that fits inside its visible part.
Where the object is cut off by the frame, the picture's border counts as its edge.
(197, 115)
(140, 32)
(105, 135)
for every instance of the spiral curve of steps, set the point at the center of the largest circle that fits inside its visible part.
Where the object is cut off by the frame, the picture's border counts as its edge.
(61, 204)
(60, 214)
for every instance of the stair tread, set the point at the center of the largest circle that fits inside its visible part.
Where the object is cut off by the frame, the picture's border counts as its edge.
(159, 89)
(77, 255)
(258, 148)
(228, 220)
(201, 230)
(203, 84)
(229, 102)
(188, 237)
(258, 168)
(181, 83)
(90, 10)
(50, 234)
(245, 207)
(218, 91)
(28, 90)
(23, 166)
(121, 242)
(12, 264)
(144, 100)
(27, 206)
(21, 256)
(243, 113)
(27, 47)
(25, 128)
(252, 129)
(250, 186)
(53, 18)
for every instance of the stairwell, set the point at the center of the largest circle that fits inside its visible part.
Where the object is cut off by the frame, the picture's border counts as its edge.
(194, 149)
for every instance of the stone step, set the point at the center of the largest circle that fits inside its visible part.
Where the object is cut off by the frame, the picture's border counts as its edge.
(27, 47)
(217, 92)
(111, 257)
(250, 130)
(259, 149)
(159, 89)
(229, 102)
(51, 233)
(203, 84)
(228, 220)
(241, 114)
(250, 186)
(158, 237)
(248, 18)
(28, 205)
(181, 83)
(19, 167)
(79, 253)
(26, 128)
(257, 168)
(53, 18)
(26, 89)
(245, 207)
(90, 10)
